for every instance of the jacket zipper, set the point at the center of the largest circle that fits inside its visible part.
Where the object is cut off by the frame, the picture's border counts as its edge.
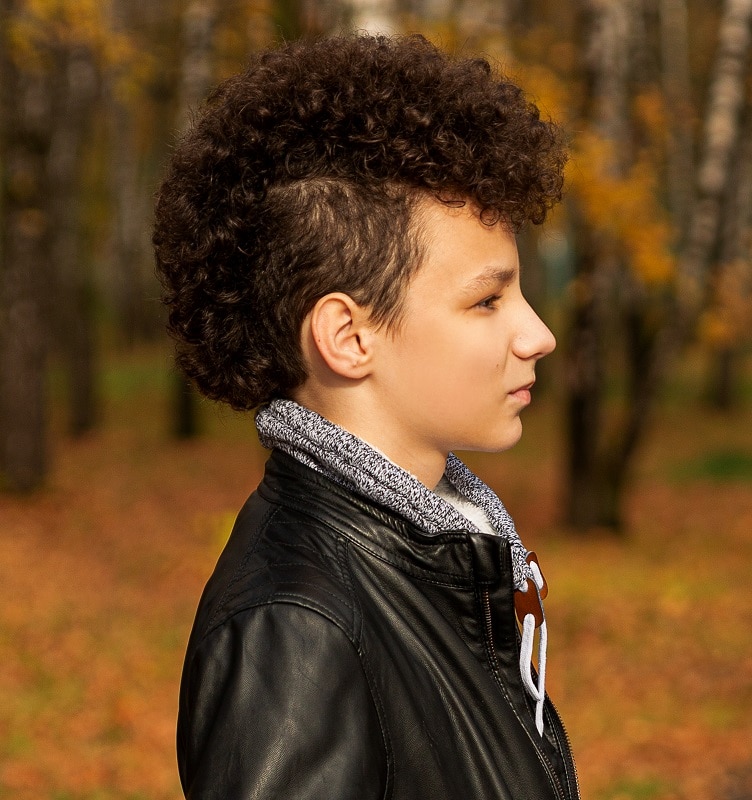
(568, 744)
(557, 781)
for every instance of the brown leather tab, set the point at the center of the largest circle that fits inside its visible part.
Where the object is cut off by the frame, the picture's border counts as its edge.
(528, 603)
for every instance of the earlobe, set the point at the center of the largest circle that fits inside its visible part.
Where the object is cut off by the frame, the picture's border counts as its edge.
(340, 332)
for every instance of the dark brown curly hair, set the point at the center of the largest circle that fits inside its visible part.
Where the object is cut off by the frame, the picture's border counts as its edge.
(300, 177)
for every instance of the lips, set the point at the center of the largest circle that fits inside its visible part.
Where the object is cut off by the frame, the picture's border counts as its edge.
(523, 393)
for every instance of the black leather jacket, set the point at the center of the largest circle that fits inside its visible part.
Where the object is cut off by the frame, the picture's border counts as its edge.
(339, 653)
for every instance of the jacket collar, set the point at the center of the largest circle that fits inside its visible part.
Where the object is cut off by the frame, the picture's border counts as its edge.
(453, 557)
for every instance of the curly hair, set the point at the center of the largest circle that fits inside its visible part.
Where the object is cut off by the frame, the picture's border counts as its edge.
(301, 176)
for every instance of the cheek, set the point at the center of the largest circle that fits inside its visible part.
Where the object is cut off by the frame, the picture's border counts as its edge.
(487, 355)
(436, 372)
(425, 345)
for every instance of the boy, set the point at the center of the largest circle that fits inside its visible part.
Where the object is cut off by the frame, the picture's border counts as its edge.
(336, 241)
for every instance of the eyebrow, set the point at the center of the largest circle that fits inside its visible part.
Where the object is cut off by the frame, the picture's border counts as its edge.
(493, 276)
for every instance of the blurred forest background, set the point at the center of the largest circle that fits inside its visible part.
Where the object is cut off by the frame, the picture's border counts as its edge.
(634, 477)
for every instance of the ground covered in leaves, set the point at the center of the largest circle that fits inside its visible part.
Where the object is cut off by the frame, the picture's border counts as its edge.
(650, 660)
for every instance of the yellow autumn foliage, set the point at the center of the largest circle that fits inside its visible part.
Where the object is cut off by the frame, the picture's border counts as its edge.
(548, 91)
(649, 109)
(41, 25)
(623, 205)
(729, 318)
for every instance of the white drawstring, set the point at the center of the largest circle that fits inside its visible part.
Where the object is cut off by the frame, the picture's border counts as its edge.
(537, 574)
(538, 693)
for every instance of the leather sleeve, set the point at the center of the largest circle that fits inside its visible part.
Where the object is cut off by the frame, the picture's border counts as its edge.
(276, 705)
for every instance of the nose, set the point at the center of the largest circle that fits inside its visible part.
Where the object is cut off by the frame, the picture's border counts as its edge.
(534, 338)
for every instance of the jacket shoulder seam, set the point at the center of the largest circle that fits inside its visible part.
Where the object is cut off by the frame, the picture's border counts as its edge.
(286, 598)
(240, 570)
(302, 601)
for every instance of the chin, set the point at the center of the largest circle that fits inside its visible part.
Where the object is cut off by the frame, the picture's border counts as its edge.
(509, 438)
(505, 440)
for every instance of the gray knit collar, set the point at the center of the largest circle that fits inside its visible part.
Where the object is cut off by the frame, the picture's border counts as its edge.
(359, 467)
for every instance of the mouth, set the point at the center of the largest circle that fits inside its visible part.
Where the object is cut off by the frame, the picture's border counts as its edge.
(523, 393)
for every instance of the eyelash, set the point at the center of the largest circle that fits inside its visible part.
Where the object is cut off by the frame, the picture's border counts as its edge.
(490, 302)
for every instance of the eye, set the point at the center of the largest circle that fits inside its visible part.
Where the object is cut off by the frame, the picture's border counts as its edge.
(489, 302)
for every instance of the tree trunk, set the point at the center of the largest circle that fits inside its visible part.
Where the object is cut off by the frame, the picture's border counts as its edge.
(589, 501)
(723, 378)
(732, 300)
(677, 90)
(288, 18)
(24, 259)
(185, 424)
(131, 279)
(130, 228)
(599, 464)
(75, 87)
(721, 133)
(199, 20)
(596, 469)
(373, 16)
(293, 19)
(595, 500)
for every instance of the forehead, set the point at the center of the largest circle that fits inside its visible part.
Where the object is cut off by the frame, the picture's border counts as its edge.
(459, 250)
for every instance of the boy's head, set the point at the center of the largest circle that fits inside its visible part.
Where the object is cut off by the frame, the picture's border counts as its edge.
(305, 175)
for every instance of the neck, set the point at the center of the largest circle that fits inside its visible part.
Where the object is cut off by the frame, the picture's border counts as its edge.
(357, 416)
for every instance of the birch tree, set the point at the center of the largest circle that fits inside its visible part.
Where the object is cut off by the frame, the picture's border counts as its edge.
(374, 16)
(714, 175)
(721, 133)
(726, 322)
(611, 286)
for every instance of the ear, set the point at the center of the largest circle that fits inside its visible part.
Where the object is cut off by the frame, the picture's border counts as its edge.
(341, 333)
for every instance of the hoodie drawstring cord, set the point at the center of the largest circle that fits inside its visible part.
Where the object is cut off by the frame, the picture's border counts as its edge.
(537, 692)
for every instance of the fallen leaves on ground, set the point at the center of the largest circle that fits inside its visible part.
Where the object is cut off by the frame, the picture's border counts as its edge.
(650, 662)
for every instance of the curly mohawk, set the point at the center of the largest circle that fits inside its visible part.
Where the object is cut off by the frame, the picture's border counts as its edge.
(300, 177)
